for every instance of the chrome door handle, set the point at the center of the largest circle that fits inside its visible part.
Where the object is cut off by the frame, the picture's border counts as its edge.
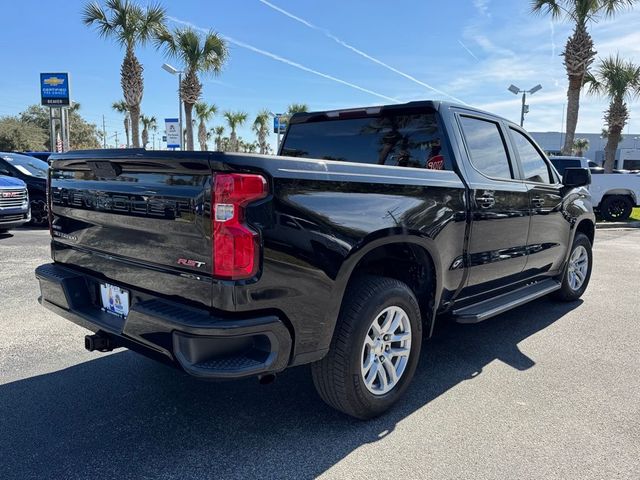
(537, 202)
(485, 201)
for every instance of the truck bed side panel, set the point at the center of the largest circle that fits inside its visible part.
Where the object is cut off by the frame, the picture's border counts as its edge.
(325, 214)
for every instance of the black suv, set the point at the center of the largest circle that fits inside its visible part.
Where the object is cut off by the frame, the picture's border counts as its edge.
(33, 172)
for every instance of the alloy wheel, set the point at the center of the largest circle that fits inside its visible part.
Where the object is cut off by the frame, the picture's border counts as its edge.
(578, 267)
(386, 350)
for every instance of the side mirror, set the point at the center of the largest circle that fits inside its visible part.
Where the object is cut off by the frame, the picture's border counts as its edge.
(576, 177)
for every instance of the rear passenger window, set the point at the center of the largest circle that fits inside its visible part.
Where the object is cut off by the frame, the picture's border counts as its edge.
(534, 167)
(402, 140)
(486, 147)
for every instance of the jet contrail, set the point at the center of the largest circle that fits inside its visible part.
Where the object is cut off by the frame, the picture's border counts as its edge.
(468, 50)
(287, 61)
(328, 34)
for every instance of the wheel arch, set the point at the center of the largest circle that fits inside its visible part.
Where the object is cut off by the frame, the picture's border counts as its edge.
(584, 225)
(587, 227)
(401, 256)
(624, 192)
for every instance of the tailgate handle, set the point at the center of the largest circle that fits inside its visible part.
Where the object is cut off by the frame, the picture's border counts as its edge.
(105, 169)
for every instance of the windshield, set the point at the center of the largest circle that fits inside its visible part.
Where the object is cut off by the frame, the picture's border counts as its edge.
(31, 166)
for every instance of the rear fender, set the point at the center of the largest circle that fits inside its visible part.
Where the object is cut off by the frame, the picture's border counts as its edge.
(373, 241)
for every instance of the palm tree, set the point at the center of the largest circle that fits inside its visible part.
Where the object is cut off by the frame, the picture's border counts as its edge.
(605, 134)
(200, 55)
(580, 145)
(291, 109)
(234, 120)
(249, 147)
(121, 107)
(578, 53)
(219, 132)
(297, 108)
(148, 123)
(204, 112)
(131, 26)
(261, 127)
(619, 81)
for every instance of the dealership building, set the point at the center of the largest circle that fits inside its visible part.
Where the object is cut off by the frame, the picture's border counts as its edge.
(629, 148)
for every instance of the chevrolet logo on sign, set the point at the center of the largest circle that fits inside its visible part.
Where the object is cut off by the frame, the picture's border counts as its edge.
(54, 89)
(53, 81)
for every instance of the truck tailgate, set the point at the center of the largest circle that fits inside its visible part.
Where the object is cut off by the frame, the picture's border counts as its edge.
(138, 221)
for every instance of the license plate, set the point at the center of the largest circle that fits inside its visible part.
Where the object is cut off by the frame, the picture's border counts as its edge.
(115, 300)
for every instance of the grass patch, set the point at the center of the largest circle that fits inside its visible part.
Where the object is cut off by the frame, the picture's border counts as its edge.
(635, 214)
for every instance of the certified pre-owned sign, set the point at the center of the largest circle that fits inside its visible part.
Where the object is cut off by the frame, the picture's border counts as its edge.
(172, 128)
(54, 89)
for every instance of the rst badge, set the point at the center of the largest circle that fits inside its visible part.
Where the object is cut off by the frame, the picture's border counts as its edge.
(187, 262)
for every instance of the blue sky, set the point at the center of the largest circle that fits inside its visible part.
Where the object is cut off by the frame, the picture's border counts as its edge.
(333, 54)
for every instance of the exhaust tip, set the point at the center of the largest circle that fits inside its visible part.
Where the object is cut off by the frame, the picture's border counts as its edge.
(266, 379)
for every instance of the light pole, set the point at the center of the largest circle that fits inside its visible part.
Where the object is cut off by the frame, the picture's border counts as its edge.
(173, 70)
(525, 108)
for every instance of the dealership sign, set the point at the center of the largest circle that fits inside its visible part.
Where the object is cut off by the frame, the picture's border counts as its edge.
(172, 129)
(279, 123)
(54, 89)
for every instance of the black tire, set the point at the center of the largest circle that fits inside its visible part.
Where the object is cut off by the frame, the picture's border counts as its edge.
(616, 208)
(338, 377)
(39, 215)
(566, 292)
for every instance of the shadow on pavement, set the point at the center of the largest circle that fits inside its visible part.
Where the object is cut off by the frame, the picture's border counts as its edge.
(123, 416)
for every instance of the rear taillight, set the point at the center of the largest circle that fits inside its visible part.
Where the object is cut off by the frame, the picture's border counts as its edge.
(235, 246)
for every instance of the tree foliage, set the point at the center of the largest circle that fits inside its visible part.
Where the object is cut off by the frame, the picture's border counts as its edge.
(579, 52)
(580, 145)
(18, 135)
(30, 130)
(129, 25)
(234, 120)
(619, 81)
(204, 113)
(200, 55)
(261, 128)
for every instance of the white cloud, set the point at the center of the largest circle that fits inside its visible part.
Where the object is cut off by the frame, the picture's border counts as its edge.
(525, 51)
(482, 6)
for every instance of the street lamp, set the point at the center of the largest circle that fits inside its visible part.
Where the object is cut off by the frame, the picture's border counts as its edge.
(173, 70)
(525, 108)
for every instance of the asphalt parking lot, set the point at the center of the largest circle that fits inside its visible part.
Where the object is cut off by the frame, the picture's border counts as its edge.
(547, 391)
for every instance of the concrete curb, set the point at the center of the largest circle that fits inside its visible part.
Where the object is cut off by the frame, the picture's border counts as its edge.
(633, 224)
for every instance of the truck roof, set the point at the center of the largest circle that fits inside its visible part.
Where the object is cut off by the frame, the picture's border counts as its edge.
(437, 105)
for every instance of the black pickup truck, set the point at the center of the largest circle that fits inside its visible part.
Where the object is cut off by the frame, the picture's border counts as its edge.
(341, 252)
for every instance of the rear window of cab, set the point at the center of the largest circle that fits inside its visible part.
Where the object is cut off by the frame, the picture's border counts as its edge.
(402, 140)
